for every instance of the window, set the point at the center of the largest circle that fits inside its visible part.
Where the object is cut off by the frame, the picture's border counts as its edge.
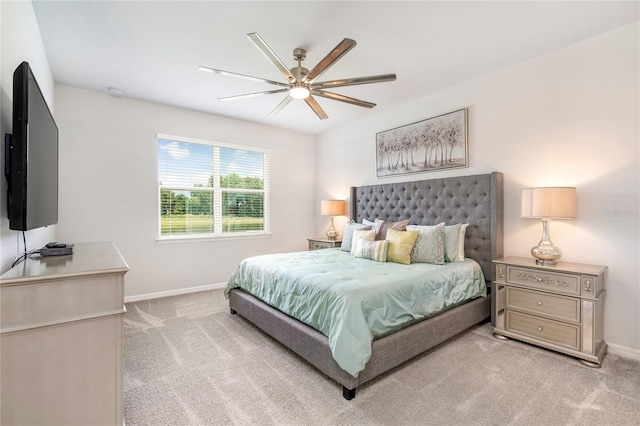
(211, 189)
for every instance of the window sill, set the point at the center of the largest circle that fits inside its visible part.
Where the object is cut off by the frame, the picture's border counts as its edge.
(208, 238)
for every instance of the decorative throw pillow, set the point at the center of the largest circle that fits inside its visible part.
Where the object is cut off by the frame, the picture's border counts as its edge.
(451, 236)
(461, 235)
(365, 234)
(382, 227)
(429, 247)
(347, 234)
(372, 250)
(368, 222)
(400, 245)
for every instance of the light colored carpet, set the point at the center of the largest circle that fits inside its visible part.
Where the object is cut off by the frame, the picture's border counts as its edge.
(188, 361)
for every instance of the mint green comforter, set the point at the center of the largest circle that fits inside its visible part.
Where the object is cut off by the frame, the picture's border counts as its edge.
(353, 301)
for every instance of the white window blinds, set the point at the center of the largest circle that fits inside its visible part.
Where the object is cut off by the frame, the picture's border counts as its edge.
(211, 189)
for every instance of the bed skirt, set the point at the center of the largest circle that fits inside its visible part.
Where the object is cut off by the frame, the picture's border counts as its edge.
(387, 352)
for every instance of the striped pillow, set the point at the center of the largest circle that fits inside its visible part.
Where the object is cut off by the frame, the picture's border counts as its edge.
(367, 234)
(372, 250)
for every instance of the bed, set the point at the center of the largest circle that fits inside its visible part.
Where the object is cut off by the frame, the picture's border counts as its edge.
(476, 200)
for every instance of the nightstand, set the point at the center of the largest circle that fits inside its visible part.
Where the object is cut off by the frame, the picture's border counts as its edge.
(323, 243)
(557, 307)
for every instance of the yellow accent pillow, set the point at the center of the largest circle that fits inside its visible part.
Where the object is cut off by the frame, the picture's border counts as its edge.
(400, 245)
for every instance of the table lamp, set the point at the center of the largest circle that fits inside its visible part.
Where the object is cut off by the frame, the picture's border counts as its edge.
(332, 208)
(546, 204)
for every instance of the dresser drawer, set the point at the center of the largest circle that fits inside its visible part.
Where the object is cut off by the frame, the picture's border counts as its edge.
(543, 304)
(566, 335)
(60, 299)
(550, 281)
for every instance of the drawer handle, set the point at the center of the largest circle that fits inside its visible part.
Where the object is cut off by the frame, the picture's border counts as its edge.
(539, 328)
(539, 302)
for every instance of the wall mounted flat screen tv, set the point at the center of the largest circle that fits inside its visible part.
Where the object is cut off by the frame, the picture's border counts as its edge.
(32, 174)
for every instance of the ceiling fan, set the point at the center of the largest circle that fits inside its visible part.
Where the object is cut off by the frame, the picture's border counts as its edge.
(301, 83)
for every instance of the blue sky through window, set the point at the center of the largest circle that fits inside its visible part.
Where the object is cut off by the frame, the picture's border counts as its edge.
(189, 164)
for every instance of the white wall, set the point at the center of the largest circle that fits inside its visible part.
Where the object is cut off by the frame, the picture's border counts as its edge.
(568, 118)
(20, 40)
(108, 187)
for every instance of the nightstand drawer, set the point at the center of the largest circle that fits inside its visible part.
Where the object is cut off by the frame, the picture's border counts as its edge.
(550, 281)
(547, 305)
(566, 335)
(559, 306)
(319, 243)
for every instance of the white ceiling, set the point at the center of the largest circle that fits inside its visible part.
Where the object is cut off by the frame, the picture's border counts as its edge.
(151, 50)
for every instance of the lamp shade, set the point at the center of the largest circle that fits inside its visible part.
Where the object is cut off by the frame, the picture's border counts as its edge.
(332, 207)
(550, 202)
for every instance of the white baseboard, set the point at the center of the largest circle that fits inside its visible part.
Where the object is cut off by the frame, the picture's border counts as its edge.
(159, 294)
(619, 350)
(624, 351)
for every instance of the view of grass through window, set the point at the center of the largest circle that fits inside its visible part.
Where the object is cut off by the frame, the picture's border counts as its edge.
(207, 189)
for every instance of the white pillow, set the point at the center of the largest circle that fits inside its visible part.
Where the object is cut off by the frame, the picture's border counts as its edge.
(365, 234)
(463, 230)
(368, 222)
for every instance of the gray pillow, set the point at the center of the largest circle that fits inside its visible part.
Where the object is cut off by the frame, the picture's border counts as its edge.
(347, 234)
(429, 247)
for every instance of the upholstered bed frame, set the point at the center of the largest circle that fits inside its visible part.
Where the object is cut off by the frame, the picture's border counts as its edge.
(477, 200)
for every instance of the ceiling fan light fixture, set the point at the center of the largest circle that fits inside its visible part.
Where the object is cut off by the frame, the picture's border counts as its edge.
(300, 82)
(299, 91)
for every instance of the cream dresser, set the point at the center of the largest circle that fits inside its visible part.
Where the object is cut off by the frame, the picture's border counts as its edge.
(558, 307)
(61, 337)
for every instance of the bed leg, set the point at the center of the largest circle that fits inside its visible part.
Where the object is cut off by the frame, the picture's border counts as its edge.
(233, 311)
(348, 394)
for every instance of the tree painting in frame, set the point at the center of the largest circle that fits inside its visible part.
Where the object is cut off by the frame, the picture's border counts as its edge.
(434, 144)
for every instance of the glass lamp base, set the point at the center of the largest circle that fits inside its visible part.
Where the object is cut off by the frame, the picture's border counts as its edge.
(545, 252)
(332, 234)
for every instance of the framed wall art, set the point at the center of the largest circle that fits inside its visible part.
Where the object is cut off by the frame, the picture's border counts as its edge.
(433, 144)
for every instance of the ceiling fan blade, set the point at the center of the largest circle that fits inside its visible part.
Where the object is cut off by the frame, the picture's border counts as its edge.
(338, 52)
(245, 77)
(281, 105)
(271, 56)
(315, 106)
(343, 98)
(354, 81)
(251, 95)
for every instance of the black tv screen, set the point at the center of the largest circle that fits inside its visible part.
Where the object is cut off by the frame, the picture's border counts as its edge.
(33, 174)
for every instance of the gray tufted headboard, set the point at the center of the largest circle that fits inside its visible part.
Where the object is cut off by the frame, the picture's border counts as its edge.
(477, 200)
